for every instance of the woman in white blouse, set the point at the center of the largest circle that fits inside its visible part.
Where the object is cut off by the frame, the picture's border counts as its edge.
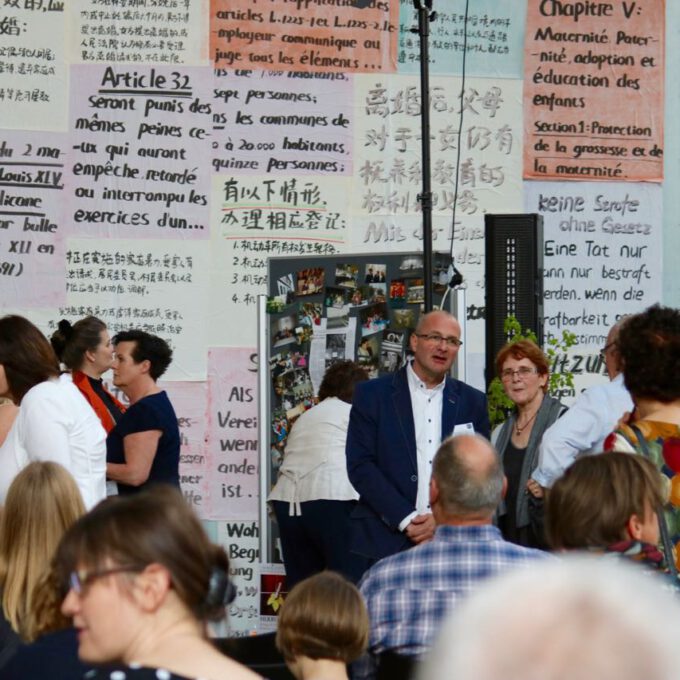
(313, 498)
(54, 422)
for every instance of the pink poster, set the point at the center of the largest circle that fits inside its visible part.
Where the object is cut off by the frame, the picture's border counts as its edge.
(233, 469)
(278, 125)
(189, 400)
(594, 91)
(32, 243)
(139, 139)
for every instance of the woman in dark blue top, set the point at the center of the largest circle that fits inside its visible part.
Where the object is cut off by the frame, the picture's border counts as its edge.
(143, 447)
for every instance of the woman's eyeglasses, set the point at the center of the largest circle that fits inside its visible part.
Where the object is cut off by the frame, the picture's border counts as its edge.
(522, 372)
(80, 581)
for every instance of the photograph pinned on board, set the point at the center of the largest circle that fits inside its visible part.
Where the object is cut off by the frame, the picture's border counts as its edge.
(377, 292)
(373, 319)
(395, 339)
(375, 273)
(336, 348)
(404, 318)
(303, 334)
(368, 354)
(392, 351)
(337, 307)
(310, 281)
(336, 297)
(294, 387)
(310, 314)
(390, 361)
(397, 293)
(280, 425)
(285, 296)
(285, 286)
(411, 264)
(283, 330)
(358, 297)
(346, 275)
(337, 318)
(286, 361)
(415, 291)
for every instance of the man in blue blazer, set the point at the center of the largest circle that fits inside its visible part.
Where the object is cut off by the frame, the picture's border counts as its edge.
(396, 425)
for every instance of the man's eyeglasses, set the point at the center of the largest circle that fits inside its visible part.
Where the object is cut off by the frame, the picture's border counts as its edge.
(606, 348)
(522, 372)
(80, 581)
(436, 339)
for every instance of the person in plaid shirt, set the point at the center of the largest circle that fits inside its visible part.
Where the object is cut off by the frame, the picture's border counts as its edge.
(409, 594)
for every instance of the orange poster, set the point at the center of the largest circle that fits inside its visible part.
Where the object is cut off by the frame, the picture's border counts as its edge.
(593, 90)
(323, 36)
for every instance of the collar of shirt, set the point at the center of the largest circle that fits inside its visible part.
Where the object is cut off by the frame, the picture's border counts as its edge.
(415, 383)
(476, 532)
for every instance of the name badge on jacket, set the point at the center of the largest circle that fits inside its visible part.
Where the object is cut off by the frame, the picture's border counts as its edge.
(463, 428)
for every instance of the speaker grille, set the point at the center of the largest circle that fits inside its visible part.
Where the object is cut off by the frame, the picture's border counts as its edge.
(513, 278)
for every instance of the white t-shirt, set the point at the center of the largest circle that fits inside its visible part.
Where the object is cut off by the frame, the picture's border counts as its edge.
(56, 423)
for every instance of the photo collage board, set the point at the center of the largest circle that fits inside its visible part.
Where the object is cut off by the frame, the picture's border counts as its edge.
(322, 310)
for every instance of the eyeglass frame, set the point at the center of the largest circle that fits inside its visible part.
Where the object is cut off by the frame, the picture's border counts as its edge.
(80, 580)
(435, 338)
(522, 372)
(606, 348)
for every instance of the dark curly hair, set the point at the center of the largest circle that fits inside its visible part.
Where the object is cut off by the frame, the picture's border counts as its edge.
(147, 346)
(649, 344)
(340, 379)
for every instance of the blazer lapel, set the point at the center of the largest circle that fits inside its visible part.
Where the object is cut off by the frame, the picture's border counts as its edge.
(450, 404)
(403, 410)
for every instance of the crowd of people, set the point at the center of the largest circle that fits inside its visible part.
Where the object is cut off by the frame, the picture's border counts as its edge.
(442, 510)
(412, 535)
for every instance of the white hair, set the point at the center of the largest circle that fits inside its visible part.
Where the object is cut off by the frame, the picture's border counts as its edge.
(576, 618)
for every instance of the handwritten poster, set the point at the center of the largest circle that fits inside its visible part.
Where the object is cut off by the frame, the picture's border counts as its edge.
(168, 32)
(140, 137)
(388, 176)
(272, 122)
(32, 243)
(241, 541)
(255, 218)
(189, 399)
(602, 254)
(327, 36)
(33, 72)
(232, 434)
(593, 91)
(494, 41)
(157, 286)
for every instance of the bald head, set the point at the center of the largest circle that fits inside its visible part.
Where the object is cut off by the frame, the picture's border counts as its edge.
(467, 479)
(435, 318)
(435, 345)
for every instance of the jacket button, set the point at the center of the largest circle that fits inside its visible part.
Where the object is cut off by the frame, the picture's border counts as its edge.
(414, 478)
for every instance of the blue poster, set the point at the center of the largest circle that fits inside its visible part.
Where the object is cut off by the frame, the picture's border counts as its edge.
(495, 38)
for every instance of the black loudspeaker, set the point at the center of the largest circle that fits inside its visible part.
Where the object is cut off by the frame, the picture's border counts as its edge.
(513, 278)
